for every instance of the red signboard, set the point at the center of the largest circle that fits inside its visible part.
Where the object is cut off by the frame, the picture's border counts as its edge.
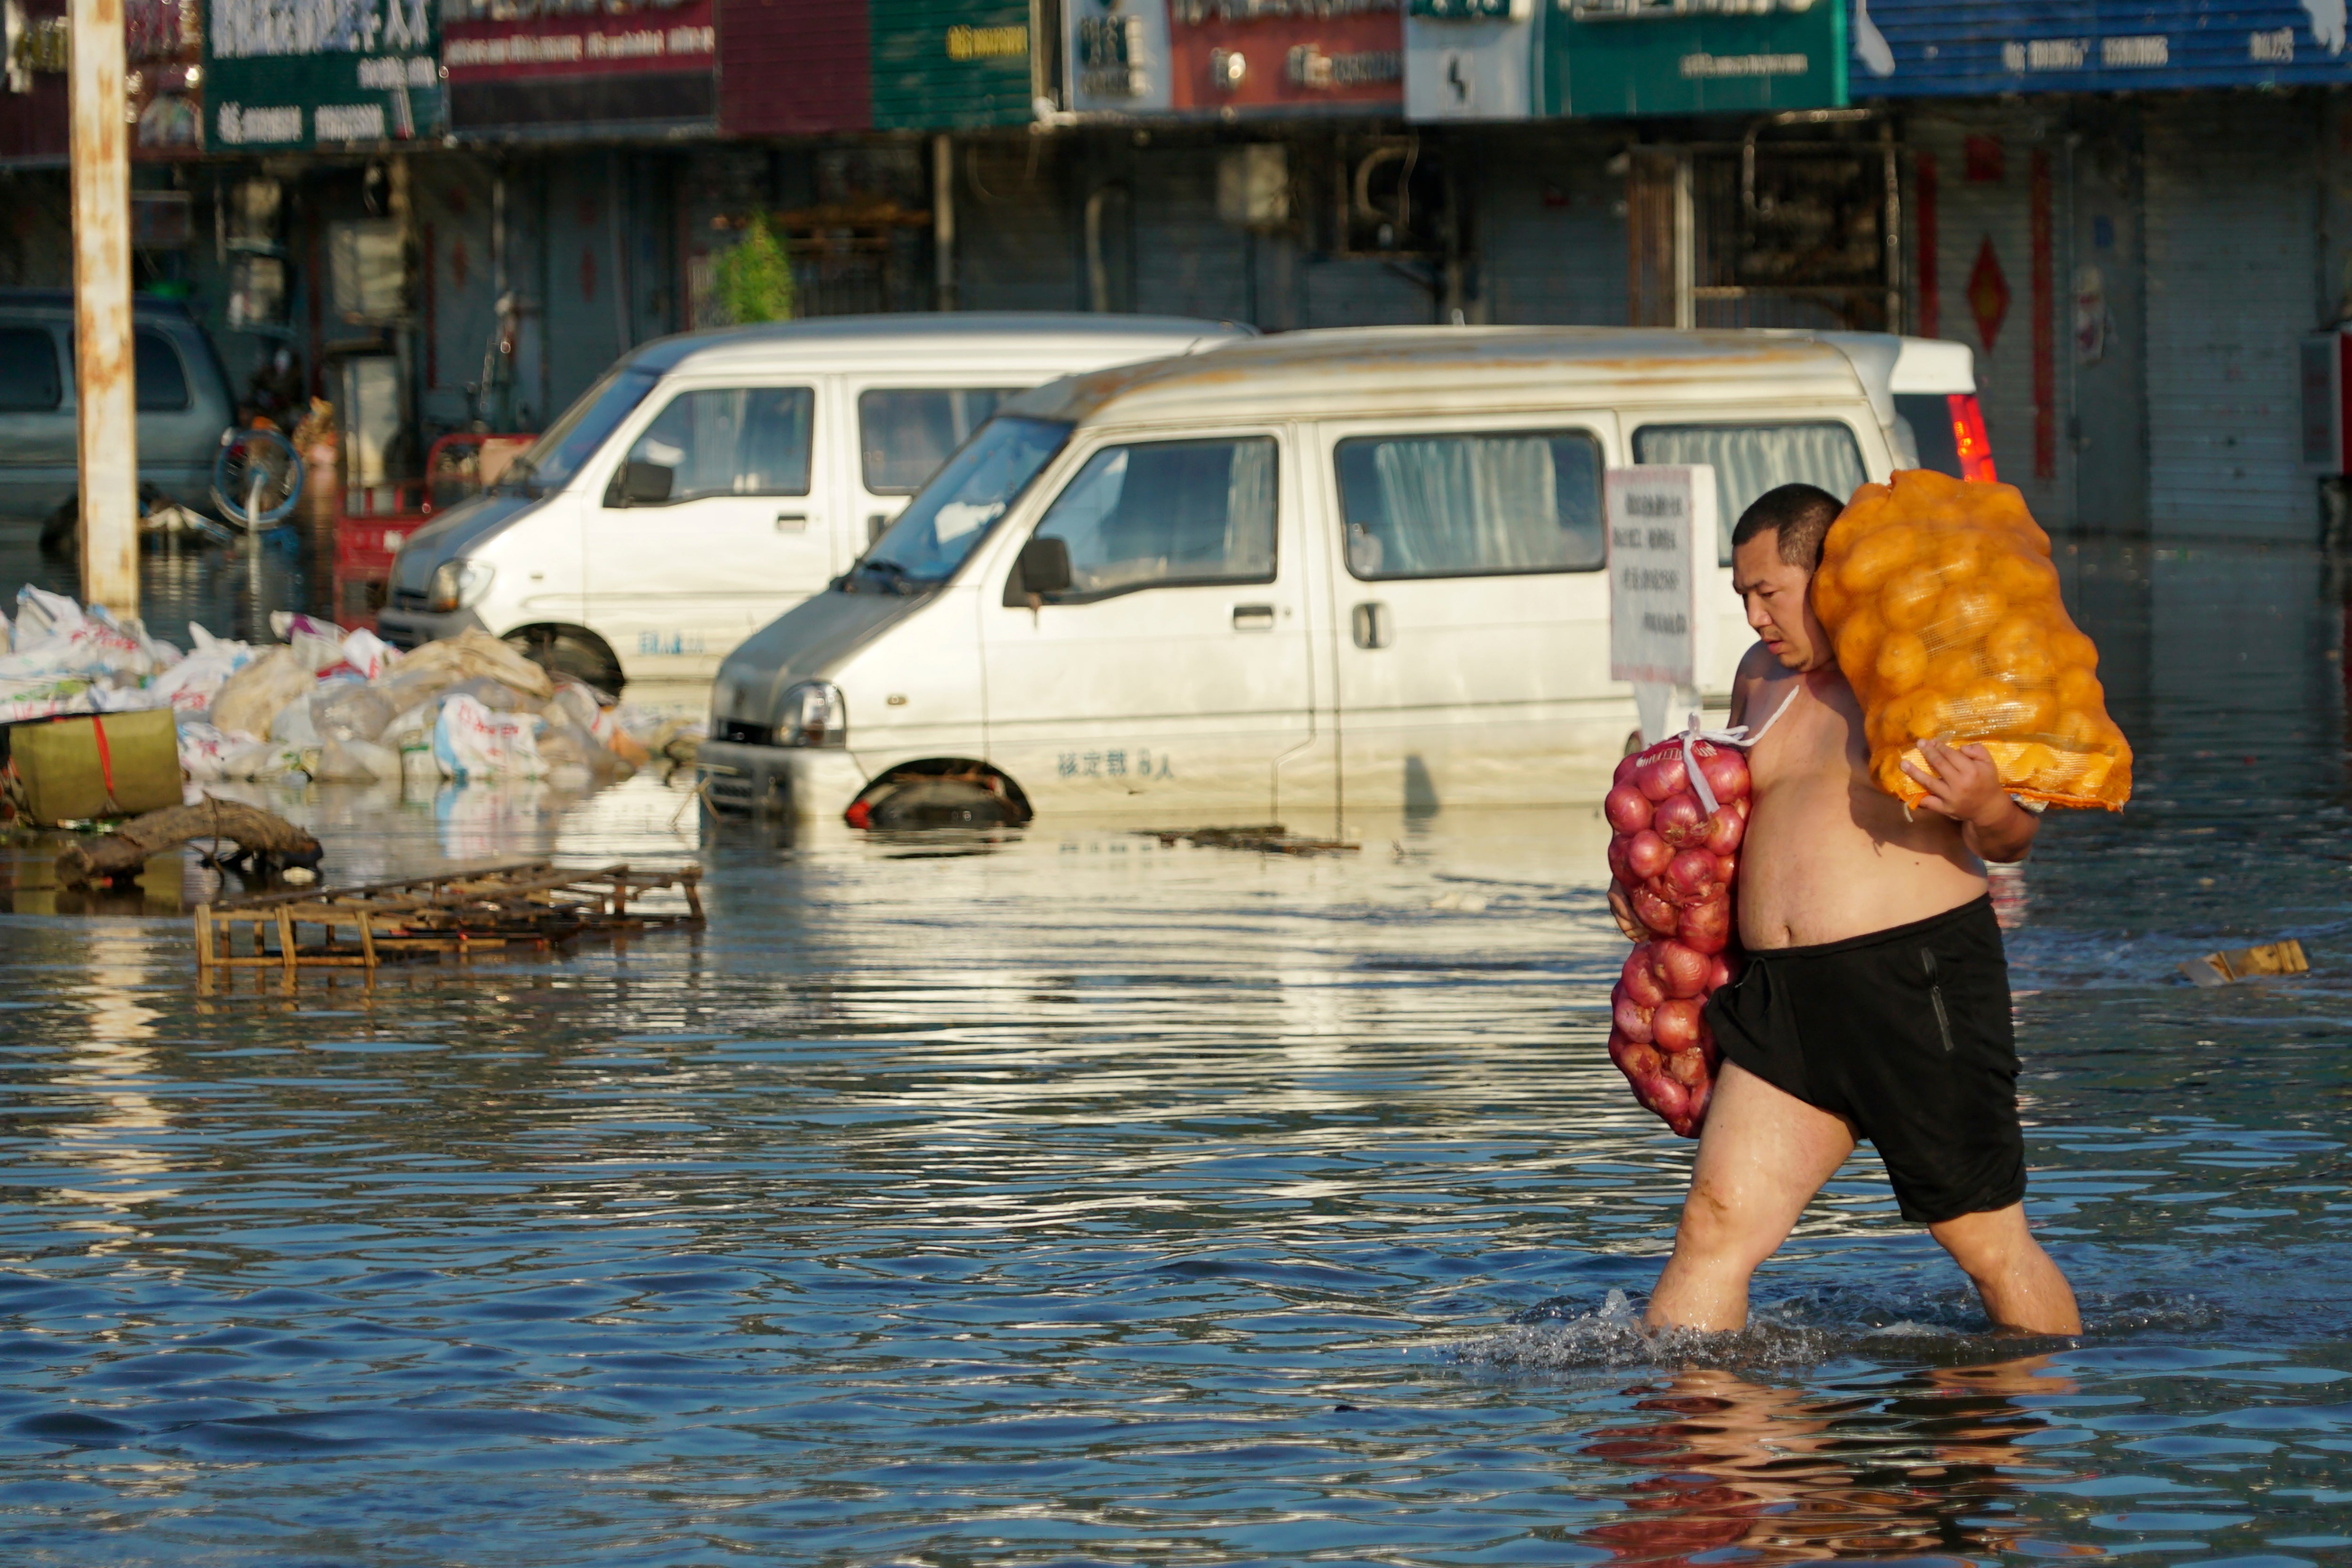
(628, 65)
(1290, 56)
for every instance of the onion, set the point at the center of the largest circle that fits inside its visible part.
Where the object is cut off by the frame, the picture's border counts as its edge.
(1687, 1068)
(1640, 981)
(1663, 775)
(1657, 912)
(1742, 806)
(1694, 1108)
(1681, 968)
(1633, 1058)
(1691, 877)
(1675, 1025)
(1667, 1098)
(1618, 869)
(1647, 854)
(1628, 809)
(1726, 867)
(1719, 972)
(1726, 772)
(1707, 929)
(1624, 773)
(1631, 1019)
(1679, 819)
(1724, 829)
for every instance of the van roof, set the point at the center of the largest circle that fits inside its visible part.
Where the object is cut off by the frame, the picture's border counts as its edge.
(1381, 370)
(915, 339)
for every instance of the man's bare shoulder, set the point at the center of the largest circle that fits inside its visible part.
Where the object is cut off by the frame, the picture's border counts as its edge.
(1755, 667)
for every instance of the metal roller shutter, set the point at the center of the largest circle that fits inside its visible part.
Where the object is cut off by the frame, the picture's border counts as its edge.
(2233, 224)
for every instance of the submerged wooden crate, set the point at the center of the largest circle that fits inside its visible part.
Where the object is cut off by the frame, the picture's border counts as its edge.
(531, 904)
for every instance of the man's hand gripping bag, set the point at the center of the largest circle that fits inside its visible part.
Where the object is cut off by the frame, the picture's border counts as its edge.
(1674, 857)
(1942, 604)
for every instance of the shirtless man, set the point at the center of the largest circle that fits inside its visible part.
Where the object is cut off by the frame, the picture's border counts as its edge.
(1875, 1001)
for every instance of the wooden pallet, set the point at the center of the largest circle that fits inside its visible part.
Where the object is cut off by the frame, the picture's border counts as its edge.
(528, 904)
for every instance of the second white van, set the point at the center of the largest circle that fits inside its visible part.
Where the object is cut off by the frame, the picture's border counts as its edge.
(708, 482)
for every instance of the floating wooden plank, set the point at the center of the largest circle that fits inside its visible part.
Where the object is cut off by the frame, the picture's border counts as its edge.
(527, 904)
(2248, 963)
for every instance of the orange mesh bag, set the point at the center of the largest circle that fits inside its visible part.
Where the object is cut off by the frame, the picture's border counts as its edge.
(1942, 604)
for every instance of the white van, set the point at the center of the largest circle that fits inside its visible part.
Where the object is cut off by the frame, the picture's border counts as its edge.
(1296, 577)
(710, 481)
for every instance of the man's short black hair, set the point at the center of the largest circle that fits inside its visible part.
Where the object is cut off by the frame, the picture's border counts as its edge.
(1799, 514)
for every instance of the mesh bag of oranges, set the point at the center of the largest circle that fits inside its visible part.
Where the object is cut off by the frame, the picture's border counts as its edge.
(1942, 604)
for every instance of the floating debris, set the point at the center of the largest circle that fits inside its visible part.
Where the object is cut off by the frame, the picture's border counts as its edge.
(1272, 838)
(267, 843)
(531, 904)
(2248, 964)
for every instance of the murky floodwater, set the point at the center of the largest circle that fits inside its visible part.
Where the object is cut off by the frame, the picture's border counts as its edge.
(1083, 1200)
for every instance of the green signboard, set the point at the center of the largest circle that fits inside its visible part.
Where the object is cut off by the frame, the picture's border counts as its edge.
(944, 64)
(286, 74)
(1607, 58)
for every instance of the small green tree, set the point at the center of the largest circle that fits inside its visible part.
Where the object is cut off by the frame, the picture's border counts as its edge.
(755, 278)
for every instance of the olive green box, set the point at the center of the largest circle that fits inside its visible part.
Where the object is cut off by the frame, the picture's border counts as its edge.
(64, 772)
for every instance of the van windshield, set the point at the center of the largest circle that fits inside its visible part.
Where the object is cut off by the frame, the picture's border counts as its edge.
(954, 512)
(572, 440)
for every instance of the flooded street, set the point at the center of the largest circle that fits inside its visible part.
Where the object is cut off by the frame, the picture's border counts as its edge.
(1067, 1198)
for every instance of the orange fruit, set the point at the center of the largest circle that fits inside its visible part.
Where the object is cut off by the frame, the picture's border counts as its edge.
(1857, 642)
(1877, 556)
(1902, 663)
(2023, 577)
(1907, 600)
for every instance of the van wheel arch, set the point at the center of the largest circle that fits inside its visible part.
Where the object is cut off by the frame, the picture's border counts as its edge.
(987, 787)
(561, 648)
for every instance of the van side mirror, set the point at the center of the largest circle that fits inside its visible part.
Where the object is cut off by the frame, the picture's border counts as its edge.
(641, 484)
(1043, 568)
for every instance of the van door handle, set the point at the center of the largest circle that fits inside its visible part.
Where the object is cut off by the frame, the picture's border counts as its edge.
(792, 522)
(1253, 618)
(1372, 626)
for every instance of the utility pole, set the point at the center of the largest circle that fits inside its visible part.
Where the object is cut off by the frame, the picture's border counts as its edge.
(101, 157)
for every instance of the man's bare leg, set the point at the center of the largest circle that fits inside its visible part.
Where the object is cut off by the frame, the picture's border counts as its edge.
(2021, 1287)
(1763, 1155)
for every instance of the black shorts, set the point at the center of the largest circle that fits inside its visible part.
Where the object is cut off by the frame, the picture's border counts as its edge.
(1905, 1033)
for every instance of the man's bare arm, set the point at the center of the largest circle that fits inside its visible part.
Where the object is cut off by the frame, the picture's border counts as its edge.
(1963, 784)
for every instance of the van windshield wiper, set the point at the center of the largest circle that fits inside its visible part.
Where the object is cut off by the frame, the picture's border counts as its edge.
(893, 576)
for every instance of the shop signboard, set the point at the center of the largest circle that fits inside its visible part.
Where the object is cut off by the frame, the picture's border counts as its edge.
(794, 68)
(282, 75)
(1603, 58)
(570, 69)
(944, 64)
(1285, 57)
(163, 51)
(1914, 48)
(1115, 53)
(1469, 59)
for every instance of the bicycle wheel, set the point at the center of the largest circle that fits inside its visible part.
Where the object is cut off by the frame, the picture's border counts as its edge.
(256, 477)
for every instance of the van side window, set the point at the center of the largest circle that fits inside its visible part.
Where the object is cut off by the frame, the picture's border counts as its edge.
(1752, 458)
(1167, 513)
(904, 434)
(162, 382)
(1471, 505)
(29, 379)
(741, 441)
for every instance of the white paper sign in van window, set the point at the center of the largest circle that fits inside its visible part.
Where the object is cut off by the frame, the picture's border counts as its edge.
(1661, 560)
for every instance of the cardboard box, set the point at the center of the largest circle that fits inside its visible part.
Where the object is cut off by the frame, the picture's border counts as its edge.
(68, 775)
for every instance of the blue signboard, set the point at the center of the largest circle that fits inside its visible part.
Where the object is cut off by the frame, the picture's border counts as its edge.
(1909, 47)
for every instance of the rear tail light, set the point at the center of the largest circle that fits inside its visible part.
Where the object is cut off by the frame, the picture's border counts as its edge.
(1969, 436)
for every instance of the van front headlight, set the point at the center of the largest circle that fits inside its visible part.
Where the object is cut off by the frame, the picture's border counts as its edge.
(458, 585)
(814, 715)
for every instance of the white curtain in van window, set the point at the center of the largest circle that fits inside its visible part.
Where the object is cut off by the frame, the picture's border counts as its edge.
(1469, 503)
(1749, 460)
(1249, 510)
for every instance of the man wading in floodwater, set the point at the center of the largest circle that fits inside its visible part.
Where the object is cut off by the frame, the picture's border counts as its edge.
(1875, 1000)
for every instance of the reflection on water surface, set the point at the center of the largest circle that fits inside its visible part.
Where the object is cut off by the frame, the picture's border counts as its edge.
(1084, 1199)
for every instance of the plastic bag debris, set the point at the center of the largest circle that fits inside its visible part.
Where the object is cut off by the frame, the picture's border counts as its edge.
(1945, 609)
(357, 762)
(472, 742)
(349, 711)
(2237, 963)
(252, 698)
(474, 652)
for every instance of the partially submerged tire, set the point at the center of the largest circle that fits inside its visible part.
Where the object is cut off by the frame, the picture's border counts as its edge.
(930, 802)
(570, 651)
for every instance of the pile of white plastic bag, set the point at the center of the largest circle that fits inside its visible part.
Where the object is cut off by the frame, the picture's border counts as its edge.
(326, 703)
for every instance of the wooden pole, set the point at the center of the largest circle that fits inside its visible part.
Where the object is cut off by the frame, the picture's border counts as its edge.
(100, 161)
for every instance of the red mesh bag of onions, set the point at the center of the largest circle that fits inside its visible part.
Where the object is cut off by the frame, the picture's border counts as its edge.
(1679, 810)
